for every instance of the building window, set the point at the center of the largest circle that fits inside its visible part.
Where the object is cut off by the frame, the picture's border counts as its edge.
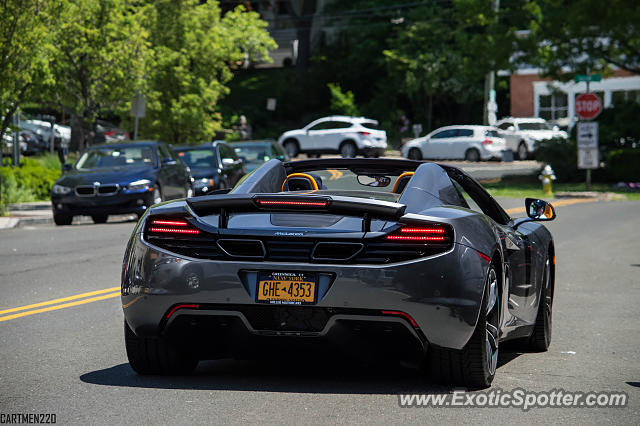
(554, 106)
(622, 96)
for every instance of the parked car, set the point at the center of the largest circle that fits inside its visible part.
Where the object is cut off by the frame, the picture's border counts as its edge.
(522, 134)
(214, 165)
(119, 178)
(43, 130)
(7, 146)
(34, 144)
(256, 153)
(347, 136)
(471, 143)
(109, 132)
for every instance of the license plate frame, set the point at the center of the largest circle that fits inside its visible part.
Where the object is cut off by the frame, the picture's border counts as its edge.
(307, 284)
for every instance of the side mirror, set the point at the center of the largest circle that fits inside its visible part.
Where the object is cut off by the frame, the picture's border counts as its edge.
(511, 128)
(67, 167)
(169, 162)
(228, 161)
(242, 158)
(280, 157)
(539, 209)
(556, 128)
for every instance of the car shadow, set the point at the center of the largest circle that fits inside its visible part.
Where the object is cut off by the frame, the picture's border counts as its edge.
(336, 377)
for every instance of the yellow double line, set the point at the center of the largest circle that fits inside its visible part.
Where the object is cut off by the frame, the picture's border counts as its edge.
(37, 308)
(555, 204)
(335, 174)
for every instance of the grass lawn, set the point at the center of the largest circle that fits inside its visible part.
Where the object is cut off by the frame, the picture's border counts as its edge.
(522, 187)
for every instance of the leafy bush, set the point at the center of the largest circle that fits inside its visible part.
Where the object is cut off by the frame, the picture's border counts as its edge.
(32, 181)
(342, 102)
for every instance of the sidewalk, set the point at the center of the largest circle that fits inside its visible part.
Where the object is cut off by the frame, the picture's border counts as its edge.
(25, 214)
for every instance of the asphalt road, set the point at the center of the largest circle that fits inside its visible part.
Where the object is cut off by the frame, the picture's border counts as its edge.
(71, 361)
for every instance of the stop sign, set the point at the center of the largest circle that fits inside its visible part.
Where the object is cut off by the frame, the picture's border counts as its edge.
(588, 106)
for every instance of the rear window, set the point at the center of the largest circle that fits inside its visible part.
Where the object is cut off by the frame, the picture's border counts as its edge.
(370, 125)
(492, 133)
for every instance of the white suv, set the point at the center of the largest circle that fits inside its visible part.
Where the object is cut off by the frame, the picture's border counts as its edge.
(470, 143)
(521, 134)
(347, 136)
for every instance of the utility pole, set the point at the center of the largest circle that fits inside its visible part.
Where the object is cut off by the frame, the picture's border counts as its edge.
(490, 80)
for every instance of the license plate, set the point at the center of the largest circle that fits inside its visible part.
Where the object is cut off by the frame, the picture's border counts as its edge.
(286, 288)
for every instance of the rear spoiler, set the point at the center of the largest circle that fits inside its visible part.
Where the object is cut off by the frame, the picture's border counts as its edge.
(338, 205)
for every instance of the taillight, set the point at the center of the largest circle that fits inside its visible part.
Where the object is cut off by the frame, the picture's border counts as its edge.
(364, 133)
(285, 204)
(110, 133)
(171, 226)
(436, 233)
(487, 141)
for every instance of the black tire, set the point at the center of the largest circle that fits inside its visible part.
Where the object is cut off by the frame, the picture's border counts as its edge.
(414, 154)
(62, 219)
(472, 366)
(292, 147)
(472, 154)
(523, 152)
(541, 337)
(99, 218)
(156, 355)
(348, 149)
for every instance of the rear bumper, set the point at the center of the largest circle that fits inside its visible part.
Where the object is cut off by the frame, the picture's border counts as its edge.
(442, 293)
(214, 331)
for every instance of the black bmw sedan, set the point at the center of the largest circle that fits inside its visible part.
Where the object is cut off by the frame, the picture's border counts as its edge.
(214, 165)
(118, 179)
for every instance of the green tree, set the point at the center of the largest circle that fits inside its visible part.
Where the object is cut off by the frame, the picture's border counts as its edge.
(25, 52)
(99, 57)
(581, 36)
(194, 51)
(342, 102)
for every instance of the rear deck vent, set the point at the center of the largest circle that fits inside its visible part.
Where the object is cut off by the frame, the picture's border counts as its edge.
(337, 251)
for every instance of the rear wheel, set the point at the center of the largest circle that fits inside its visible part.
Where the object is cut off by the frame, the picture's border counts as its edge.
(475, 365)
(99, 218)
(541, 337)
(62, 219)
(292, 148)
(156, 355)
(523, 152)
(414, 154)
(472, 155)
(348, 150)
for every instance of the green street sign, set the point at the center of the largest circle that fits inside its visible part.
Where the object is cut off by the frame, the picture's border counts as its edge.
(582, 77)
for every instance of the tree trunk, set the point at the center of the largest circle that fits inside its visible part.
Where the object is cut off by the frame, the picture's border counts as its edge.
(79, 133)
(304, 11)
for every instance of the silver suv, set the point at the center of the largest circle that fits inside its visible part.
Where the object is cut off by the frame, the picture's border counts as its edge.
(522, 134)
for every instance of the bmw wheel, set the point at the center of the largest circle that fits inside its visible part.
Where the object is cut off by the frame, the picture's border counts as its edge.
(475, 365)
(99, 218)
(62, 219)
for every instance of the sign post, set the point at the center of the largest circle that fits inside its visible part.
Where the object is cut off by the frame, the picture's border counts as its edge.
(588, 107)
(588, 148)
(138, 110)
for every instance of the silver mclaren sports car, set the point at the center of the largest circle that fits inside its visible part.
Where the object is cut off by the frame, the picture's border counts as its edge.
(397, 259)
